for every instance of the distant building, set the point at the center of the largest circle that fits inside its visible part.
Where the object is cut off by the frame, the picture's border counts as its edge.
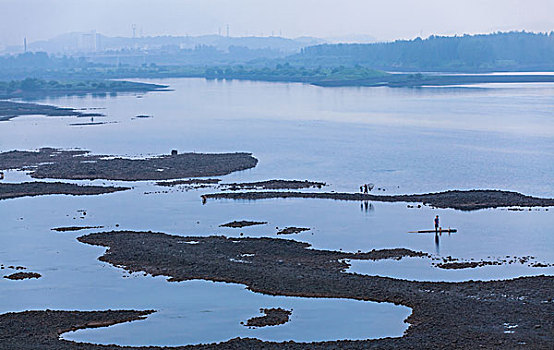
(89, 42)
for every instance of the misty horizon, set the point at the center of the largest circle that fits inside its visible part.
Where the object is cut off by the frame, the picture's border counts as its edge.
(396, 20)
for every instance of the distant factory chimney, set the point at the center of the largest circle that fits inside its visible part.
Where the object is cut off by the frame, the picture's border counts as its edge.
(134, 27)
(227, 30)
(25, 44)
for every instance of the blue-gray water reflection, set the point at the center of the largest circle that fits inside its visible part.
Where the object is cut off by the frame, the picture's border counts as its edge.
(403, 140)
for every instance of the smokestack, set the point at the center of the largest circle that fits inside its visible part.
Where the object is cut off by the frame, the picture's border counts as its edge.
(25, 44)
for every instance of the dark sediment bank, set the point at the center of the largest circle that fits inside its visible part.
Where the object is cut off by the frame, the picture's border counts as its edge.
(31, 189)
(455, 199)
(80, 165)
(41, 329)
(91, 123)
(242, 223)
(271, 317)
(464, 315)
(274, 185)
(450, 263)
(74, 228)
(9, 110)
(292, 230)
(466, 264)
(188, 182)
(23, 275)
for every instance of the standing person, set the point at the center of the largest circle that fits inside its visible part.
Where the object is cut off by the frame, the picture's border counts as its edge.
(436, 224)
(365, 188)
(361, 189)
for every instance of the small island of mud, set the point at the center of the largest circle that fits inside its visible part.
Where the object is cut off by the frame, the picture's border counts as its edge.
(23, 276)
(74, 228)
(274, 185)
(271, 317)
(80, 165)
(189, 182)
(242, 223)
(31, 189)
(291, 230)
(465, 315)
(454, 199)
(450, 263)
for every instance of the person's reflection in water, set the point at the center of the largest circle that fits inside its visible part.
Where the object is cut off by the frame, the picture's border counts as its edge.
(437, 244)
(366, 207)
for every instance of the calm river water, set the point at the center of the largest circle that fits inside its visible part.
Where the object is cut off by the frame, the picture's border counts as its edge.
(403, 140)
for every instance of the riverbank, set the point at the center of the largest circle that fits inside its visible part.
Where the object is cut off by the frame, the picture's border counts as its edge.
(31, 88)
(10, 110)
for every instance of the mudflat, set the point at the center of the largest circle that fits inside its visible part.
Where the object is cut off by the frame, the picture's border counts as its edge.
(31, 189)
(479, 312)
(274, 185)
(81, 165)
(242, 223)
(271, 317)
(455, 199)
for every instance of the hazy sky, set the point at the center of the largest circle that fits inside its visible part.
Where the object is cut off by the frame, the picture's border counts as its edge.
(385, 20)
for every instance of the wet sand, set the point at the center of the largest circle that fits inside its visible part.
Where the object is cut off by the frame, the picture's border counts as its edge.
(465, 315)
(80, 165)
(32, 189)
(455, 199)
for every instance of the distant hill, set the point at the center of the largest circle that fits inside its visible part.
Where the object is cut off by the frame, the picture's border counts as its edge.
(92, 42)
(472, 53)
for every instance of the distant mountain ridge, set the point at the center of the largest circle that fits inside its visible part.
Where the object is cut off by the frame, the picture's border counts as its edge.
(92, 42)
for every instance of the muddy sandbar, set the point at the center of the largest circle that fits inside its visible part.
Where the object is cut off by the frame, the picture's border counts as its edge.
(23, 275)
(31, 189)
(464, 315)
(271, 317)
(80, 165)
(455, 199)
(242, 223)
(274, 185)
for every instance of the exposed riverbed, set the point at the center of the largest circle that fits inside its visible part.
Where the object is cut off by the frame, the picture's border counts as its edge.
(404, 141)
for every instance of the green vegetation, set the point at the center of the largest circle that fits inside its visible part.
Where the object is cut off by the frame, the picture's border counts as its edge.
(31, 87)
(325, 65)
(514, 51)
(288, 73)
